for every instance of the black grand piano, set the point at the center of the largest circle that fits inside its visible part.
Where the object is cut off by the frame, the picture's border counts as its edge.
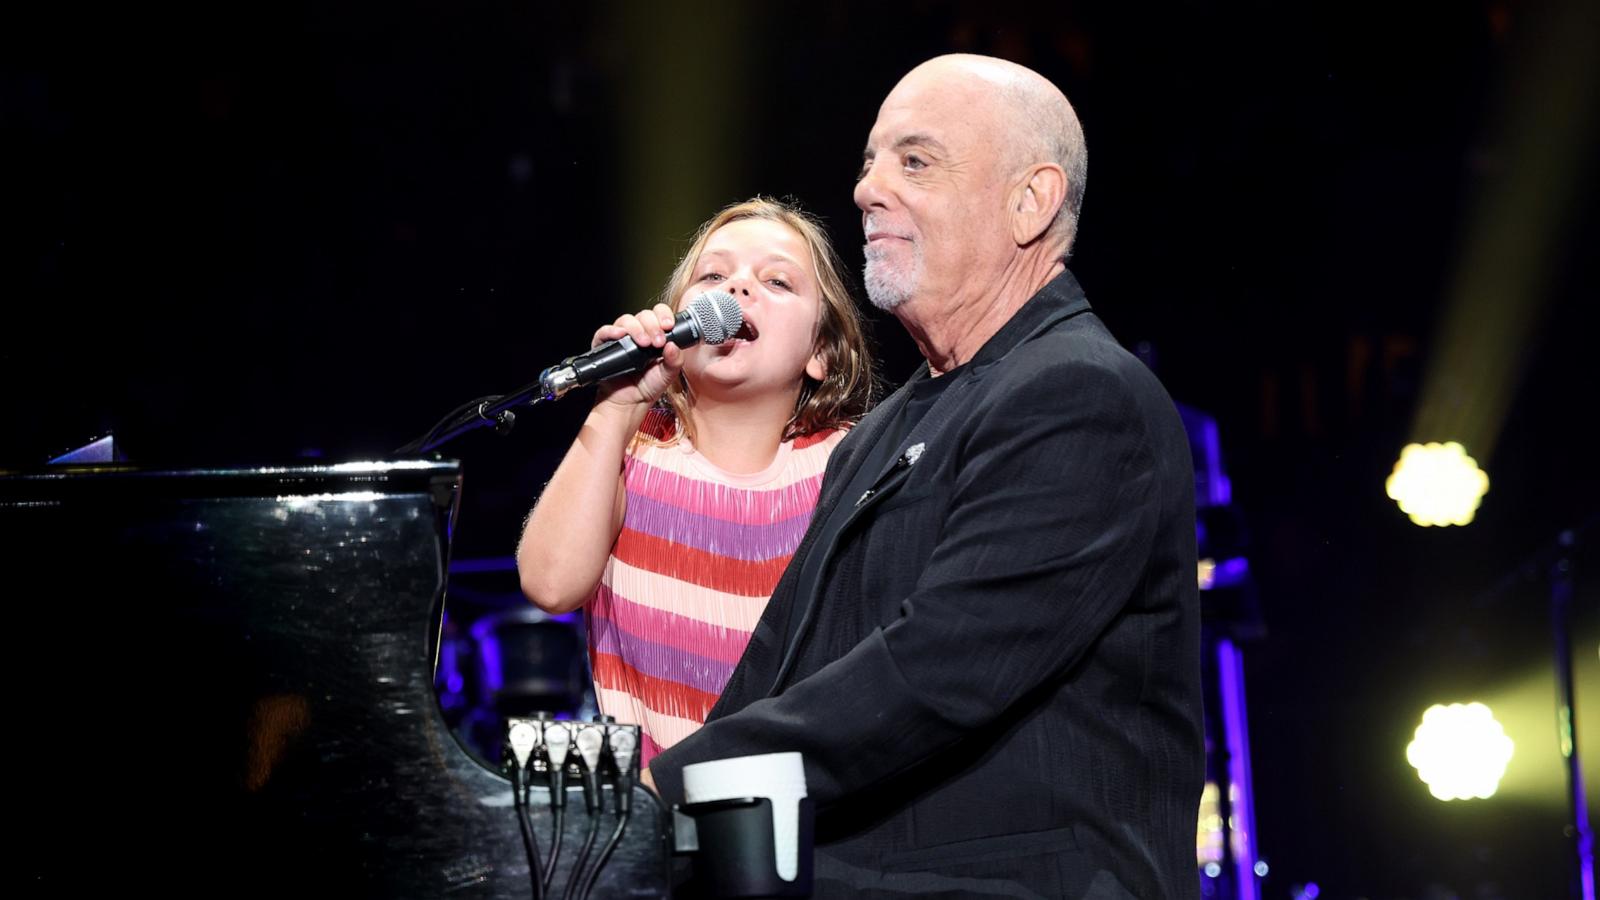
(224, 687)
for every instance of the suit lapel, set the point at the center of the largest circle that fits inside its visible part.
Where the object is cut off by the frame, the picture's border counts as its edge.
(860, 442)
(932, 425)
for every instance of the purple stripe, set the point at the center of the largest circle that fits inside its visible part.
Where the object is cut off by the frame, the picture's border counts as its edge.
(719, 536)
(687, 633)
(658, 660)
(726, 501)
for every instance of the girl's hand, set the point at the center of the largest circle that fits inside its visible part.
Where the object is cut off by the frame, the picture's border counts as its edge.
(647, 328)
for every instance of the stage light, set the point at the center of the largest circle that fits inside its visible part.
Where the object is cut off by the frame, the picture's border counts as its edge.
(1209, 838)
(1437, 484)
(1227, 573)
(1460, 751)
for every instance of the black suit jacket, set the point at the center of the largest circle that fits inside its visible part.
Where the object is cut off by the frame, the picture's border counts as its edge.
(996, 685)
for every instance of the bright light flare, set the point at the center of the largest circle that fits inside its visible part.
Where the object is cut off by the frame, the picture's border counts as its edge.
(1437, 484)
(1460, 751)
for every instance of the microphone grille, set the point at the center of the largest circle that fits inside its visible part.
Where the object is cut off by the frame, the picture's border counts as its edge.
(717, 314)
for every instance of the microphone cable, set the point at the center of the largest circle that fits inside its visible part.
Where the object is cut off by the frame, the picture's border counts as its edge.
(521, 739)
(589, 741)
(556, 741)
(623, 744)
(462, 414)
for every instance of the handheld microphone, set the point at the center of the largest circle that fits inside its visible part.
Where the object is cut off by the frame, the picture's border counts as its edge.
(712, 317)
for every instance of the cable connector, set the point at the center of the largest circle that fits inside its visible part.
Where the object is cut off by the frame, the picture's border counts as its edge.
(590, 741)
(522, 737)
(557, 742)
(624, 743)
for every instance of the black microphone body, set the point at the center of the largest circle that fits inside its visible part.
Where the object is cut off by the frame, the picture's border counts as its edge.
(713, 317)
(623, 357)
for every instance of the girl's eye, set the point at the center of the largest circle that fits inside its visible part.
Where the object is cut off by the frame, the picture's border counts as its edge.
(711, 276)
(779, 282)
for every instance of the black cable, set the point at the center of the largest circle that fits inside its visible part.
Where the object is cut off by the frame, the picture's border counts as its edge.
(605, 854)
(624, 743)
(593, 803)
(583, 856)
(557, 741)
(530, 842)
(462, 414)
(555, 846)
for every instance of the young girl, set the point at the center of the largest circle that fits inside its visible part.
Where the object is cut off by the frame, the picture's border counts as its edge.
(689, 486)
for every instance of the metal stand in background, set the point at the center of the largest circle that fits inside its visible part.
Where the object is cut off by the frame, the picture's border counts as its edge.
(1556, 561)
(1241, 798)
(1581, 879)
(1229, 856)
(1230, 861)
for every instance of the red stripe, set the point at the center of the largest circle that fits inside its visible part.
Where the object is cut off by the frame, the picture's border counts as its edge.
(815, 437)
(659, 424)
(748, 578)
(658, 694)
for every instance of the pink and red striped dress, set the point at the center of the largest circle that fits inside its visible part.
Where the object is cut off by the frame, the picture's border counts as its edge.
(698, 556)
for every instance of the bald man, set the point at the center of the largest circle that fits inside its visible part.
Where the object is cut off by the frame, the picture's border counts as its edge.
(987, 644)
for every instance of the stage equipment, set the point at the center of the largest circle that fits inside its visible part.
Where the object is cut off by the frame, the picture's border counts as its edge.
(1437, 484)
(1459, 751)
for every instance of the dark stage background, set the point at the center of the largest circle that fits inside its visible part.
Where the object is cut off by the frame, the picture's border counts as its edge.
(252, 232)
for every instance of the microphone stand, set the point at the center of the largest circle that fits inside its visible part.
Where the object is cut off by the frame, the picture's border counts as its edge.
(492, 411)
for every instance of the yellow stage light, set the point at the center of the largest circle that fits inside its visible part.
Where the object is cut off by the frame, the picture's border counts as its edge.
(1437, 484)
(1460, 751)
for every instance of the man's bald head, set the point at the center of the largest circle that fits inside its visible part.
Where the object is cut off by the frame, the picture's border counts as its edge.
(1035, 122)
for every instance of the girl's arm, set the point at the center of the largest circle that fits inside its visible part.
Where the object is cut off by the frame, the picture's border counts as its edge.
(571, 530)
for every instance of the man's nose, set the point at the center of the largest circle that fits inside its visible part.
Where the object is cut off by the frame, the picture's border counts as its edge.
(869, 193)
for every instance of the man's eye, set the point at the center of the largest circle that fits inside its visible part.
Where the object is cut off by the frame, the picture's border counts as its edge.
(914, 161)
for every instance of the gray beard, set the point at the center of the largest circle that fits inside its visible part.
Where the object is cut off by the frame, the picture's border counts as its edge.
(886, 287)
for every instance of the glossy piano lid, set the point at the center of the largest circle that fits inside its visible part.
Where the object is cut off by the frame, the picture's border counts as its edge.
(386, 477)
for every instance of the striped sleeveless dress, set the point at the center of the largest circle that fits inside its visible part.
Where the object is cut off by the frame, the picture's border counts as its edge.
(697, 558)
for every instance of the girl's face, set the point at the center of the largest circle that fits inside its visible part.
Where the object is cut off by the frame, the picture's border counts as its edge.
(766, 267)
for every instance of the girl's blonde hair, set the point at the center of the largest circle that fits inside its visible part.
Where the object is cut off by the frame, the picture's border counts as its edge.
(842, 397)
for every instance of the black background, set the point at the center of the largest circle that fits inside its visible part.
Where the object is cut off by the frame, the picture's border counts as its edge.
(256, 232)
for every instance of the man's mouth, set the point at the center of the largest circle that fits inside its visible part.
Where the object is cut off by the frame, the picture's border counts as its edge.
(879, 231)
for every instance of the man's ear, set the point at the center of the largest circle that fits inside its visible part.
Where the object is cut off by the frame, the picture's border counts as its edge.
(1038, 198)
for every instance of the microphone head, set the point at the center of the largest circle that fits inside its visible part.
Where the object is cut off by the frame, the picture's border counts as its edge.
(718, 316)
